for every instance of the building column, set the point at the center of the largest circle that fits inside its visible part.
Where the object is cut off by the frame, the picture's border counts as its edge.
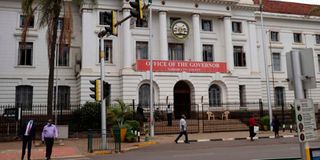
(228, 43)
(253, 47)
(196, 37)
(127, 48)
(163, 36)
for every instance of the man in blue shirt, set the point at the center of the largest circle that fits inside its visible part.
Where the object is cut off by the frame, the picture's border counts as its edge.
(49, 133)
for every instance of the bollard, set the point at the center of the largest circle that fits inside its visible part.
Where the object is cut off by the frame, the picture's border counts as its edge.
(283, 128)
(138, 136)
(117, 139)
(290, 128)
(90, 141)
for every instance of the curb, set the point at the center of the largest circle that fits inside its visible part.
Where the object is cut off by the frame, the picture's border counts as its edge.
(240, 138)
(140, 145)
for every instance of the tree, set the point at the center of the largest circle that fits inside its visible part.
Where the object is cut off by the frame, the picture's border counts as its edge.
(49, 12)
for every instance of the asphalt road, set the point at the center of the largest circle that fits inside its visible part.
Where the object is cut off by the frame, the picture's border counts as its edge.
(220, 150)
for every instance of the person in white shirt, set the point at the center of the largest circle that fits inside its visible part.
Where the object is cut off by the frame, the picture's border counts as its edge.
(169, 115)
(183, 129)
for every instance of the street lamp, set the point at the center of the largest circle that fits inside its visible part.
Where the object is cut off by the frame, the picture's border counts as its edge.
(264, 51)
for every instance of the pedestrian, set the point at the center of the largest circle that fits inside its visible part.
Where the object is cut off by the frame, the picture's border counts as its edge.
(28, 133)
(169, 115)
(275, 124)
(140, 116)
(183, 129)
(49, 133)
(252, 123)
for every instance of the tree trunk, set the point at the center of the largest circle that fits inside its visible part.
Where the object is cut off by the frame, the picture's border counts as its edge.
(51, 59)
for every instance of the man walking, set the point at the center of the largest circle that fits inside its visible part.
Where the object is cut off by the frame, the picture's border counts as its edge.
(183, 129)
(28, 133)
(49, 133)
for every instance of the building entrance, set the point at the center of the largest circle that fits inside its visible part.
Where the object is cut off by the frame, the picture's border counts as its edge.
(182, 100)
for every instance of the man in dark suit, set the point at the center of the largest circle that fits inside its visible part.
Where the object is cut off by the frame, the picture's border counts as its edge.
(28, 133)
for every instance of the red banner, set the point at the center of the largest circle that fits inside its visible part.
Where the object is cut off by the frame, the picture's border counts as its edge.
(181, 66)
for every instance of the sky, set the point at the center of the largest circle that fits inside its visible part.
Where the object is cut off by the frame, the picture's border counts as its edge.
(315, 2)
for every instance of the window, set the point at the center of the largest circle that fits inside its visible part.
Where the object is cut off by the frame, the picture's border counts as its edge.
(317, 38)
(63, 97)
(24, 97)
(102, 17)
(63, 57)
(207, 53)
(23, 21)
(60, 23)
(141, 50)
(108, 51)
(172, 19)
(279, 96)
(142, 23)
(274, 36)
(206, 25)
(236, 27)
(144, 95)
(318, 62)
(25, 53)
(214, 96)
(276, 62)
(242, 95)
(297, 37)
(239, 56)
(176, 51)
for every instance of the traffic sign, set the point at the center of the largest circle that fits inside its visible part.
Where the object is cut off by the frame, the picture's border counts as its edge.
(305, 118)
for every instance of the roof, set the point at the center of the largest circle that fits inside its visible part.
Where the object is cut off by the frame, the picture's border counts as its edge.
(286, 7)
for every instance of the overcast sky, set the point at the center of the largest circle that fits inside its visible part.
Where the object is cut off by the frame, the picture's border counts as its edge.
(316, 2)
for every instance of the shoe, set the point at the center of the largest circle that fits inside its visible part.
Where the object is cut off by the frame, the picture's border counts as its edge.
(176, 141)
(187, 142)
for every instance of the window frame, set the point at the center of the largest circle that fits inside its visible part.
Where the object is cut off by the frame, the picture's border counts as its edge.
(144, 23)
(297, 37)
(274, 36)
(64, 95)
(317, 37)
(144, 95)
(202, 25)
(279, 97)
(236, 27)
(242, 95)
(22, 22)
(215, 95)
(64, 57)
(175, 57)
(276, 68)
(24, 97)
(242, 62)
(108, 46)
(25, 53)
(139, 50)
(205, 54)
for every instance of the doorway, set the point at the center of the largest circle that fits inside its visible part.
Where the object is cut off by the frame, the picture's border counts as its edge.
(182, 100)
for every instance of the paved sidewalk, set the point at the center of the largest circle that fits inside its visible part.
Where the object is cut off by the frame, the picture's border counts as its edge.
(78, 147)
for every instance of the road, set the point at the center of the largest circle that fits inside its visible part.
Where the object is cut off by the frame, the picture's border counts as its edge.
(220, 150)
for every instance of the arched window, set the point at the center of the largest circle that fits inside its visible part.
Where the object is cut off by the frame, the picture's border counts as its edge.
(24, 96)
(214, 95)
(144, 95)
(279, 96)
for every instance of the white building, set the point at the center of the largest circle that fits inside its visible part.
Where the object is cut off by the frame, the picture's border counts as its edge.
(227, 31)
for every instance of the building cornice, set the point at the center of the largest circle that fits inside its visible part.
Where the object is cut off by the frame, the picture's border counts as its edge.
(223, 2)
(288, 16)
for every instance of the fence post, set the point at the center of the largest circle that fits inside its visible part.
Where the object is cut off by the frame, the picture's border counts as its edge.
(261, 108)
(90, 141)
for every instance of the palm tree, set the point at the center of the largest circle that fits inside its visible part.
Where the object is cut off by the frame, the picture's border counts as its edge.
(49, 11)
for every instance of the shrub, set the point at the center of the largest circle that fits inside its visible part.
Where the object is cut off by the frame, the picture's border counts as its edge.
(87, 117)
(133, 124)
(265, 120)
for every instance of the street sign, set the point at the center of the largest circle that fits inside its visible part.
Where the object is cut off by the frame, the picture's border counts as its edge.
(305, 118)
(307, 69)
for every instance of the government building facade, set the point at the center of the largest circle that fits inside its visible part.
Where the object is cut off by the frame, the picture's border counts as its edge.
(203, 51)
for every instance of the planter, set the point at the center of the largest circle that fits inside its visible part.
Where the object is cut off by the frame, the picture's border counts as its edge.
(123, 132)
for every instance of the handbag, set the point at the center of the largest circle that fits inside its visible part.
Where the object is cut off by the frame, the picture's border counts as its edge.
(255, 129)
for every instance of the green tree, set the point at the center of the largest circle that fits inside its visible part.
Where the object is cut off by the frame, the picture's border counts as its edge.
(49, 12)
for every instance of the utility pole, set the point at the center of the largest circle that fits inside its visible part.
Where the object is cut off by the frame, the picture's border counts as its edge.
(151, 74)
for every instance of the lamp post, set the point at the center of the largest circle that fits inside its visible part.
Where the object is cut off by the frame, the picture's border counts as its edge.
(151, 73)
(264, 51)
